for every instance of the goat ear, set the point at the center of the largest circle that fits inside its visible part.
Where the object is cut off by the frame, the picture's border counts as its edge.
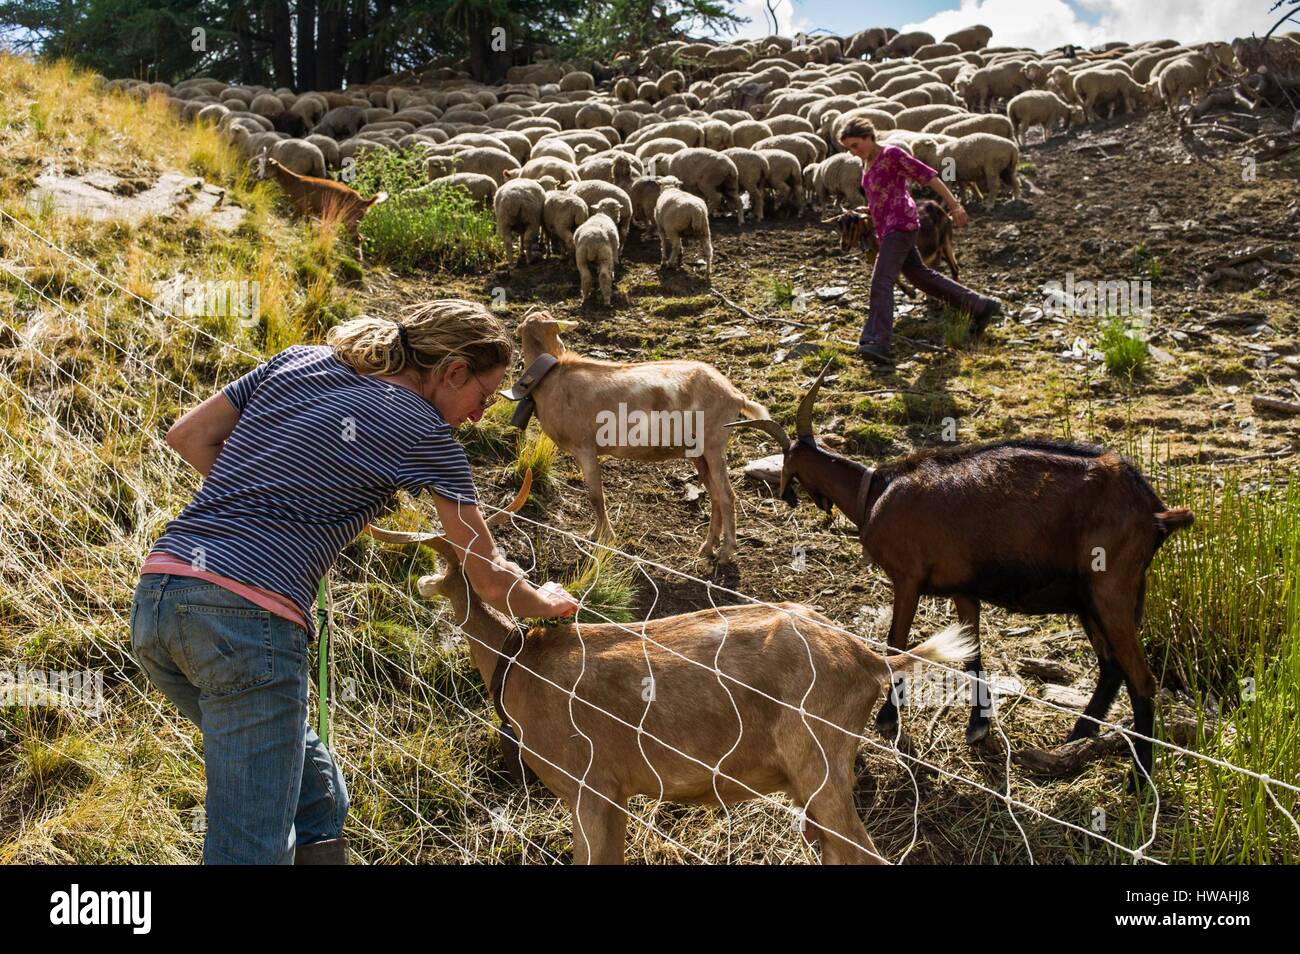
(566, 324)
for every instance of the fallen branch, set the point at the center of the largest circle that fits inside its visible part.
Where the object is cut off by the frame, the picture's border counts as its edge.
(1264, 251)
(753, 317)
(1261, 403)
(1072, 757)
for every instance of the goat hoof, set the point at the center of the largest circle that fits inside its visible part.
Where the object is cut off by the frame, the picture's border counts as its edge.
(976, 733)
(1083, 729)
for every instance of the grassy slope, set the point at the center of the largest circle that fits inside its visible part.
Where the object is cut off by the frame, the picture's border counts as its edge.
(92, 378)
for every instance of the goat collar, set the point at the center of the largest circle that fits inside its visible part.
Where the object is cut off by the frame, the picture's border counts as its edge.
(864, 497)
(522, 389)
(514, 763)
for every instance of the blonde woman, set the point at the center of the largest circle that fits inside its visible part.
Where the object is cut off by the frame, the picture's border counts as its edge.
(298, 456)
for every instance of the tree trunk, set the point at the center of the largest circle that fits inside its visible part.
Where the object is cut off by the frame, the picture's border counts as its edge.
(358, 27)
(306, 71)
(330, 36)
(275, 21)
(489, 52)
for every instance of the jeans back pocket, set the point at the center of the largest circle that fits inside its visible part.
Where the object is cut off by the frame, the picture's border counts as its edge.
(225, 649)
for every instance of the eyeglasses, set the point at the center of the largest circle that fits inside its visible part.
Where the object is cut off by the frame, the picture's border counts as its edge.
(488, 397)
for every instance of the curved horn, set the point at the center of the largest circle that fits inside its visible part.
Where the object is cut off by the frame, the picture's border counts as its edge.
(803, 419)
(502, 516)
(767, 426)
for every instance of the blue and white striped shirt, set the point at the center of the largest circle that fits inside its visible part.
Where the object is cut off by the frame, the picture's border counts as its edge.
(318, 453)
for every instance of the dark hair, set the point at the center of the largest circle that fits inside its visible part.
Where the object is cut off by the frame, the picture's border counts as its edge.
(858, 127)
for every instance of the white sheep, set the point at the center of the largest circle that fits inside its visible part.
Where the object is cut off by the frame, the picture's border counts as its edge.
(753, 171)
(1094, 87)
(299, 156)
(1037, 107)
(710, 175)
(679, 214)
(518, 206)
(562, 212)
(784, 179)
(993, 123)
(982, 160)
(841, 179)
(592, 191)
(596, 245)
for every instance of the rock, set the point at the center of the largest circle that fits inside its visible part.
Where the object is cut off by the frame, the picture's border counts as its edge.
(766, 470)
(831, 292)
(730, 334)
(102, 196)
(692, 492)
(1009, 232)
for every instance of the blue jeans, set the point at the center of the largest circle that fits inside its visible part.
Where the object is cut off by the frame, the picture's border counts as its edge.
(239, 672)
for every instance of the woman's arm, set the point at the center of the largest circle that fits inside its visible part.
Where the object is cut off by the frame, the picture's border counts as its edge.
(959, 216)
(497, 581)
(199, 435)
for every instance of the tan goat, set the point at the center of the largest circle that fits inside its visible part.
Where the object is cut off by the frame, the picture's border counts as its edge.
(646, 411)
(576, 696)
(323, 197)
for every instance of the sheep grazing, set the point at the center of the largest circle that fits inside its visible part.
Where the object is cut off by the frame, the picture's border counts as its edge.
(1033, 526)
(595, 745)
(518, 206)
(710, 175)
(1037, 107)
(982, 160)
(300, 156)
(332, 201)
(595, 245)
(677, 215)
(935, 237)
(1093, 87)
(562, 212)
(646, 411)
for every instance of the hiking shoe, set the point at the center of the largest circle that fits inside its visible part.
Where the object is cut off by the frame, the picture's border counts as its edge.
(874, 352)
(982, 321)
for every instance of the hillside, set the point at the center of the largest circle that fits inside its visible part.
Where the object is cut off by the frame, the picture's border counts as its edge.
(98, 359)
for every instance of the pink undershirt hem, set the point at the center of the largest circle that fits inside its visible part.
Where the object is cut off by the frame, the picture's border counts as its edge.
(273, 602)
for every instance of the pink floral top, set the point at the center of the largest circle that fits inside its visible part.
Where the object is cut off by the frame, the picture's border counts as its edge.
(888, 198)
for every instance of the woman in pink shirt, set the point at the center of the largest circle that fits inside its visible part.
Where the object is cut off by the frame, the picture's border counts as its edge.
(893, 211)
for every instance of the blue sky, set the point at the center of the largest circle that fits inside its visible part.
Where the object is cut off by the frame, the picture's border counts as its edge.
(1035, 23)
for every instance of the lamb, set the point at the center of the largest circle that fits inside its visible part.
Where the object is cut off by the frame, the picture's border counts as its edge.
(1017, 524)
(562, 212)
(518, 206)
(1095, 86)
(595, 747)
(1182, 78)
(1037, 107)
(983, 160)
(576, 399)
(332, 201)
(710, 175)
(595, 244)
(592, 191)
(841, 179)
(679, 214)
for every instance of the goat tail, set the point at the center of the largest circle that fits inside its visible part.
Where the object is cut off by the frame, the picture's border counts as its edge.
(952, 644)
(379, 197)
(753, 411)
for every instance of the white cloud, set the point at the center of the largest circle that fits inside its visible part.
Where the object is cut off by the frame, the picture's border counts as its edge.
(760, 26)
(1049, 23)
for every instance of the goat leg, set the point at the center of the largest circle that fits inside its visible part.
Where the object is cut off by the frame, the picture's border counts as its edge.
(968, 614)
(905, 602)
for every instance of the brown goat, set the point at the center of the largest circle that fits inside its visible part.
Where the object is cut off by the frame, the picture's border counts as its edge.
(857, 230)
(1033, 526)
(660, 675)
(323, 197)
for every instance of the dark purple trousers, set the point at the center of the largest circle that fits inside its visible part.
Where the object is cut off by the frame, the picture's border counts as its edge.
(898, 254)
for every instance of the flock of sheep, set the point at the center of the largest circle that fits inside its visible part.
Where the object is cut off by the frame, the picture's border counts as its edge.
(694, 131)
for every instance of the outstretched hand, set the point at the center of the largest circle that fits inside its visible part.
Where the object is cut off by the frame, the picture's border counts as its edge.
(959, 216)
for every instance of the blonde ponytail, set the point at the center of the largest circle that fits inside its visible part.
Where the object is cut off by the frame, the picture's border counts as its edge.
(436, 333)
